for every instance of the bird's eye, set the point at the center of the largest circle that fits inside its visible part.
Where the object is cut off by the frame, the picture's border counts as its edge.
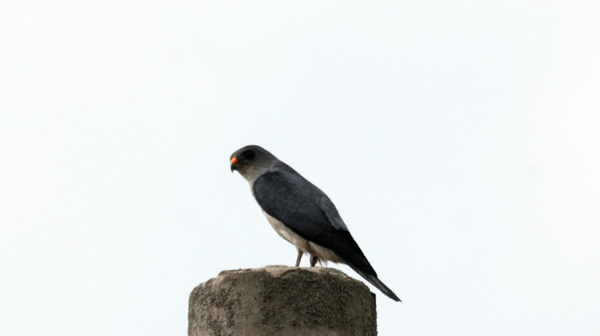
(248, 155)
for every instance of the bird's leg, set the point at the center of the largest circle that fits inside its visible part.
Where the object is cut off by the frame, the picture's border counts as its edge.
(313, 260)
(300, 253)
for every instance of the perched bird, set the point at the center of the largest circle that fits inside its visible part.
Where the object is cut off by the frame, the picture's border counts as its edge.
(301, 213)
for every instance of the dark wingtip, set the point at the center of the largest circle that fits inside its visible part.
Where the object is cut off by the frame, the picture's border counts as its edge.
(377, 283)
(384, 289)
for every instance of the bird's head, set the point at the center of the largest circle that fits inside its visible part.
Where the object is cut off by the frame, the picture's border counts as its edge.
(251, 161)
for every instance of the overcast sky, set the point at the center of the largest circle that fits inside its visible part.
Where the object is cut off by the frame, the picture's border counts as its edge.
(460, 142)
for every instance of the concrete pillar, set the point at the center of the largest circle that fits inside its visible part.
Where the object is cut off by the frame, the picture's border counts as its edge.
(280, 300)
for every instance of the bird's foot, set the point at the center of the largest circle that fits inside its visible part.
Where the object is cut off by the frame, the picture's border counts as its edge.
(300, 253)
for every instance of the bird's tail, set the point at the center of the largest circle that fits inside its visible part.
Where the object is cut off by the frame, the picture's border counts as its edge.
(377, 283)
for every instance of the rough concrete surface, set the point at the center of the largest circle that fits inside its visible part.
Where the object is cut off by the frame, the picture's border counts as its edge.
(280, 300)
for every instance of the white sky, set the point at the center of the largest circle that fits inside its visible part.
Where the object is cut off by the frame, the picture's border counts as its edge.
(460, 142)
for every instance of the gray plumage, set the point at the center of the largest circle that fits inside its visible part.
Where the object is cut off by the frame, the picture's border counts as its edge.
(301, 213)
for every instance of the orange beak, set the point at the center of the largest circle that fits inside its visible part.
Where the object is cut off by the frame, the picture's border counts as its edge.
(234, 160)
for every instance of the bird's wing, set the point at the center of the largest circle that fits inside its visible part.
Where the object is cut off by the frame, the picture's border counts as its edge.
(307, 211)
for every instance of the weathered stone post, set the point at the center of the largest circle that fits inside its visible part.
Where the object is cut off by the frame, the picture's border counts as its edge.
(280, 300)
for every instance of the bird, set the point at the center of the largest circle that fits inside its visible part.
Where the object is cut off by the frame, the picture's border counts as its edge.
(301, 213)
